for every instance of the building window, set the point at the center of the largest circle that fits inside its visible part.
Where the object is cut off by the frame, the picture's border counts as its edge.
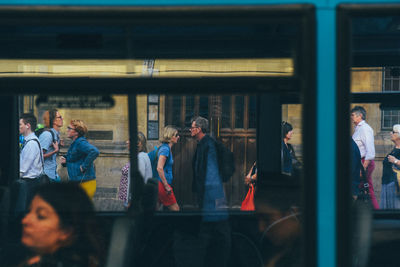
(390, 83)
(153, 114)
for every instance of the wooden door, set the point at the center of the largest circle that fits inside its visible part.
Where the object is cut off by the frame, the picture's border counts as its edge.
(232, 120)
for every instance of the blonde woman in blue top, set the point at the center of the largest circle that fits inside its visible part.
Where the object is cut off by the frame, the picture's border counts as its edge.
(164, 168)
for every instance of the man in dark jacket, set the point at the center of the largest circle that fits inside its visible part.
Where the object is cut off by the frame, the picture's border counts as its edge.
(208, 242)
(207, 183)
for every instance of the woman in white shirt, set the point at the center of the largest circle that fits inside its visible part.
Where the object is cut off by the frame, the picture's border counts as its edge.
(144, 166)
(144, 163)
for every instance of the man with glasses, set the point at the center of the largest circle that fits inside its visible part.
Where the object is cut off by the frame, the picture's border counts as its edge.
(211, 245)
(364, 138)
(51, 142)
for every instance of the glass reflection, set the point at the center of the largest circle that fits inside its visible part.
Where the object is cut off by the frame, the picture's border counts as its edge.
(81, 143)
(219, 111)
(279, 221)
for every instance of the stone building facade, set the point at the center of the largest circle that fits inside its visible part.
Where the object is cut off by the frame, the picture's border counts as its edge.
(108, 130)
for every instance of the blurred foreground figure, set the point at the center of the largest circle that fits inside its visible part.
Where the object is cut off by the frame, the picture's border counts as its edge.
(279, 222)
(60, 229)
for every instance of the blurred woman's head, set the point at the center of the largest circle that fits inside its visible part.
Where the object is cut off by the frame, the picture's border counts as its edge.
(42, 229)
(142, 144)
(61, 215)
(287, 130)
(170, 134)
(277, 209)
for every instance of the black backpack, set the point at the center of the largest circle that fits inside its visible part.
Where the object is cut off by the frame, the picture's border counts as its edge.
(226, 161)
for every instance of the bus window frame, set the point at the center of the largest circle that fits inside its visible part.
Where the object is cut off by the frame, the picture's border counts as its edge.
(344, 97)
(303, 80)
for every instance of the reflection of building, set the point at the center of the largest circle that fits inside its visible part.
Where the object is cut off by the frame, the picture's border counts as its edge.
(232, 120)
(232, 117)
(108, 131)
(377, 80)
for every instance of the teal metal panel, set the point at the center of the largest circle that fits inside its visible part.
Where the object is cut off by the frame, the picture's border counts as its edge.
(157, 2)
(326, 139)
(317, 3)
(336, 2)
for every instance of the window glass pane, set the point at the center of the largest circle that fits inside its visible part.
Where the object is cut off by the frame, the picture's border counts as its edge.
(188, 50)
(189, 110)
(396, 85)
(390, 117)
(155, 47)
(291, 161)
(239, 110)
(388, 85)
(203, 107)
(176, 110)
(108, 131)
(381, 122)
(252, 111)
(243, 146)
(375, 55)
(391, 79)
(376, 70)
(242, 143)
(226, 111)
(229, 195)
(91, 132)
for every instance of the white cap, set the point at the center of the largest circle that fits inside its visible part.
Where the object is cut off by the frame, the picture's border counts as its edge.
(396, 128)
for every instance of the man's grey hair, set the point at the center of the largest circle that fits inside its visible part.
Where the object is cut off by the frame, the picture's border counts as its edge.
(360, 111)
(201, 122)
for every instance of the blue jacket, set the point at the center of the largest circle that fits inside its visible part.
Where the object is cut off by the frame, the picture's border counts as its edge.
(81, 153)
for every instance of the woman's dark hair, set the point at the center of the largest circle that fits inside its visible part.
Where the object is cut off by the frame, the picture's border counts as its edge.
(76, 213)
(286, 127)
(142, 141)
(49, 116)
